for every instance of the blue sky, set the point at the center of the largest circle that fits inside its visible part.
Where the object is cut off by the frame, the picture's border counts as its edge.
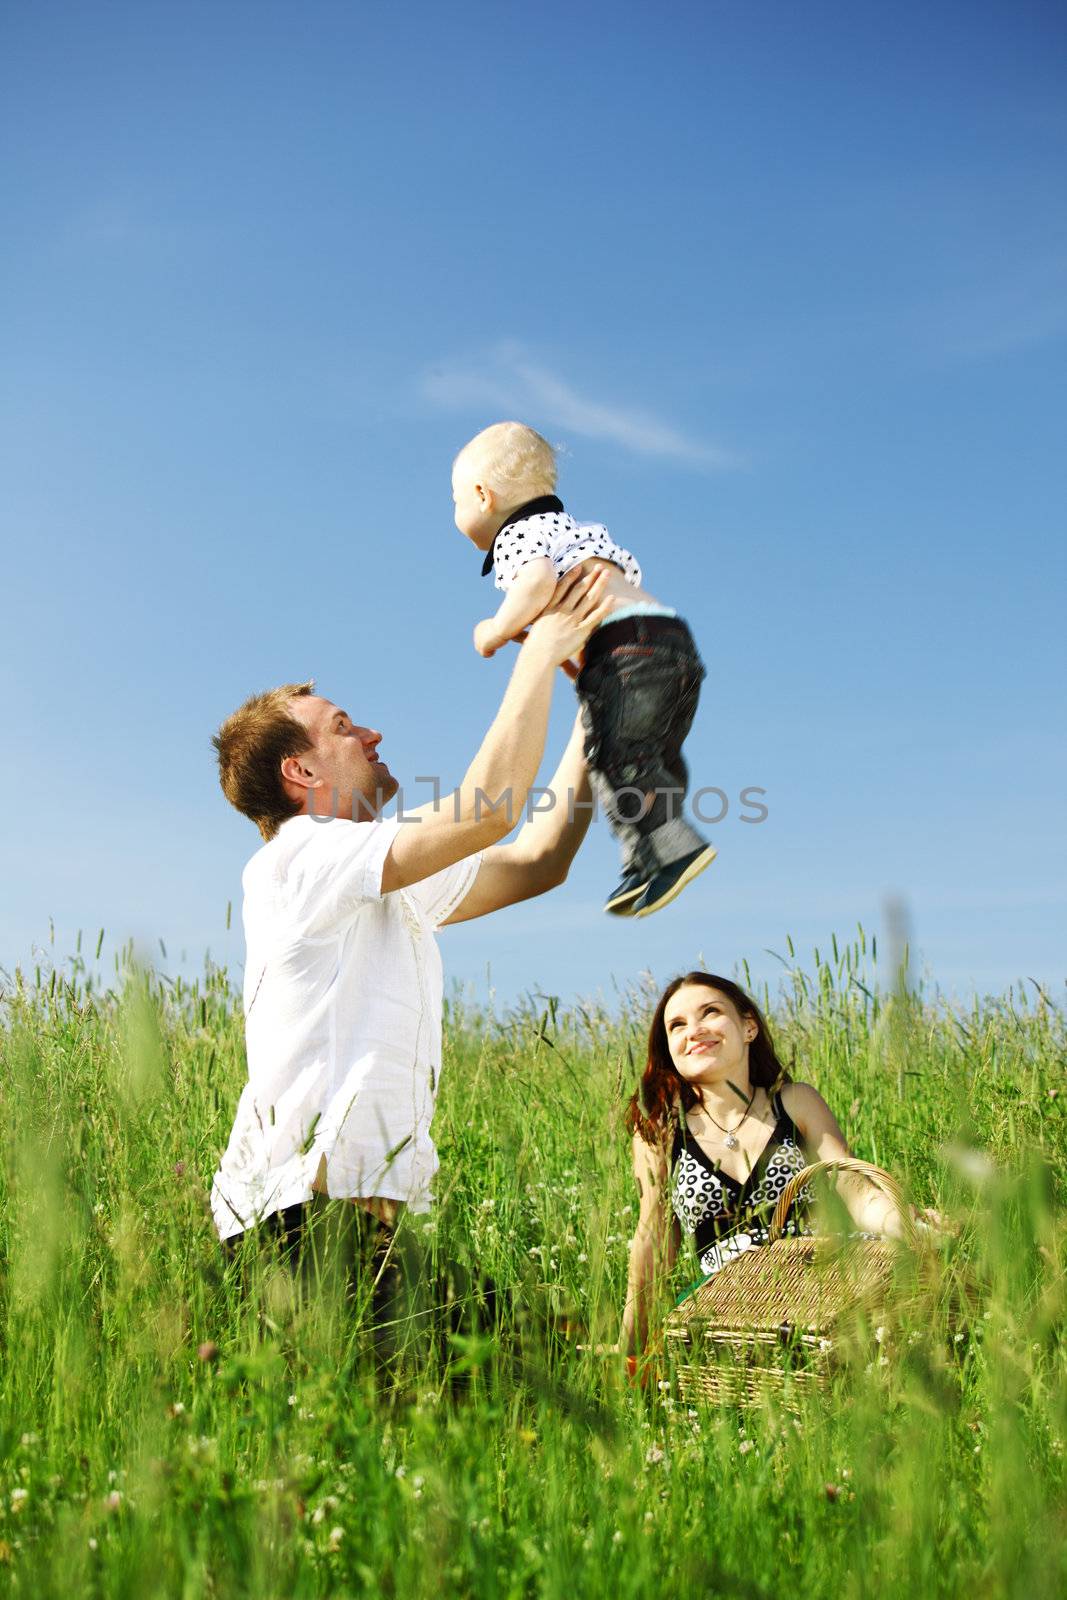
(787, 285)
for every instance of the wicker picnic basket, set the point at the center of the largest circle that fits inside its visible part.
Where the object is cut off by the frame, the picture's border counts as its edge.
(780, 1318)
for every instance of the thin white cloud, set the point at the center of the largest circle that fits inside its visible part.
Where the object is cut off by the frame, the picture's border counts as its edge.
(510, 383)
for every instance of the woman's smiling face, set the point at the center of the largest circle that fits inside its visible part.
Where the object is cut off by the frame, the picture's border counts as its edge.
(707, 1036)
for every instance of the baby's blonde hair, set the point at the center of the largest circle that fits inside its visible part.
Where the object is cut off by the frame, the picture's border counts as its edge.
(517, 464)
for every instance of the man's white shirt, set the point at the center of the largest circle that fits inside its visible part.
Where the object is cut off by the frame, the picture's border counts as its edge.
(342, 999)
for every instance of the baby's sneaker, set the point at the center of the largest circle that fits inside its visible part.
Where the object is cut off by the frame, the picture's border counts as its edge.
(671, 880)
(621, 901)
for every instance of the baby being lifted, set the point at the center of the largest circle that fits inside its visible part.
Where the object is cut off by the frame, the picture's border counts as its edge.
(640, 674)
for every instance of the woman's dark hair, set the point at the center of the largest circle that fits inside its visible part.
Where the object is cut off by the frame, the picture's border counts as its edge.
(662, 1086)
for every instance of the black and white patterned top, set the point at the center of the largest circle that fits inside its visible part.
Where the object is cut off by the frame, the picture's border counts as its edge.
(543, 528)
(724, 1217)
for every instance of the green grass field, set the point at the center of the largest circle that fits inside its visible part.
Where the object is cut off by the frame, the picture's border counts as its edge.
(511, 1463)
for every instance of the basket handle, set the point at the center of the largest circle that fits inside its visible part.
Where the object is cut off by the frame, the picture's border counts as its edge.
(867, 1169)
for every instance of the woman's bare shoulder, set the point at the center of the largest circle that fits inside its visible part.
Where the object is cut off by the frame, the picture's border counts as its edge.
(650, 1153)
(802, 1101)
(799, 1093)
(813, 1117)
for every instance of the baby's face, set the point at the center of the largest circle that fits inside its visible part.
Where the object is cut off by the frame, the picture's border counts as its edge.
(476, 514)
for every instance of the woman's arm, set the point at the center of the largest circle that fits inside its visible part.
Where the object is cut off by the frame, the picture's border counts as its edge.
(870, 1208)
(654, 1245)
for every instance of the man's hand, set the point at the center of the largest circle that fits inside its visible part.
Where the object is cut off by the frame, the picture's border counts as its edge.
(486, 639)
(579, 605)
(571, 668)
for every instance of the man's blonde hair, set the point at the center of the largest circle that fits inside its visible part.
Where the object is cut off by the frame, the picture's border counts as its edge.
(513, 460)
(251, 746)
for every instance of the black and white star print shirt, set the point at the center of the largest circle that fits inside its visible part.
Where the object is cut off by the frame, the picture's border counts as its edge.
(543, 528)
(724, 1217)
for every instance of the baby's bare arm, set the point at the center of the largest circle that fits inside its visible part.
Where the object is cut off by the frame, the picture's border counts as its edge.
(523, 603)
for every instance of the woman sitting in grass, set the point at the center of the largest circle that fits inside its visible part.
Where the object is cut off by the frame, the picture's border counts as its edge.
(718, 1131)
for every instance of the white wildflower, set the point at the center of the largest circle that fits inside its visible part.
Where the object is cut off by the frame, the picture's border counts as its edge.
(970, 1163)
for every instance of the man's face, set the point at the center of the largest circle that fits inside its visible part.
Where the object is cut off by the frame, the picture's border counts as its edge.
(343, 757)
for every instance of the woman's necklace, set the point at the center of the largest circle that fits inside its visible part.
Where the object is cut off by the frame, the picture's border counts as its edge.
(730, 1139)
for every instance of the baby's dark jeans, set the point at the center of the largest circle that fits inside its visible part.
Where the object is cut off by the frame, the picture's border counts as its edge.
(638, 690)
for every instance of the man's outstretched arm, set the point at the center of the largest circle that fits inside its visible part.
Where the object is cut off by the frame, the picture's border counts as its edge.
(492, 796)
(540, 857)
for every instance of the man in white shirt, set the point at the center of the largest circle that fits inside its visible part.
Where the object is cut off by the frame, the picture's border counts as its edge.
(343, 978)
